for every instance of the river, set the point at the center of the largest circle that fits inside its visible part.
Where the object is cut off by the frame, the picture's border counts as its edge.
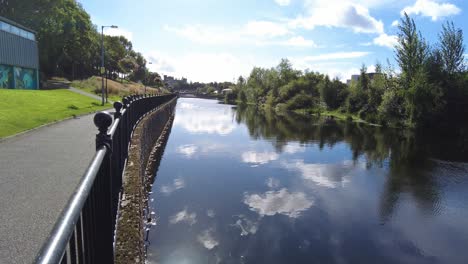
(239, 185)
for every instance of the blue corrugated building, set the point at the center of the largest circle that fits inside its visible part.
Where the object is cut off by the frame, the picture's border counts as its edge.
(19, 56)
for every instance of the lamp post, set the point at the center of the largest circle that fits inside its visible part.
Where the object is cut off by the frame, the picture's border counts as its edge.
(146, 79)
(102, 60)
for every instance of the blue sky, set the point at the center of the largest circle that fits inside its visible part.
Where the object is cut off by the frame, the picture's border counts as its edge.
(215, 40)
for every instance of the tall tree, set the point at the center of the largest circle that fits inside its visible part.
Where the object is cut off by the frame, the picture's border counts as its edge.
(452, 48)
(411, 50)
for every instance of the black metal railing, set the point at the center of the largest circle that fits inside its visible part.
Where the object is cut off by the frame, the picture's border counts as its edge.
(85, 231)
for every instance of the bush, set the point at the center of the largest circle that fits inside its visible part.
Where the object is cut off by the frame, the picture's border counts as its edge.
(300, 101)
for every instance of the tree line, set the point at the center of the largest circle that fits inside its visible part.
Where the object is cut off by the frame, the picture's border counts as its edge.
(431, 87)
(70, 45)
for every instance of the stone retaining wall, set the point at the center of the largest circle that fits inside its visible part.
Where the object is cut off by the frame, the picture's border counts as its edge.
(147, 141)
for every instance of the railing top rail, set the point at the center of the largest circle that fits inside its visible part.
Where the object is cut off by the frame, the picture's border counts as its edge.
(52, 252)
(55, 247)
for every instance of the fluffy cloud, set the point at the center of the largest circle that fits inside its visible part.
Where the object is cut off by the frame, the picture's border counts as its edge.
(279, 202)
(252, 32)
(272, 183)
(384, 40)
(432, 9)
(187, 150)
(184, 217)
(337, 56)
(203, 121)
(283, 2)
(259, 157)
(176, 185)
(293, 147)
(326, 175)
(202, 67)
(395, 23)
(207, 239)
(246, 226)
(265, 29)
(299, 41)
(334, 13)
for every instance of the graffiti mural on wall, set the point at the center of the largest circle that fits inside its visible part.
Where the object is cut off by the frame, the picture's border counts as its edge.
(6, 74)
(25, 78)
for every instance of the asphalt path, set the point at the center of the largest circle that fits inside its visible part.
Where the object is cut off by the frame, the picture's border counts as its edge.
(39, 171)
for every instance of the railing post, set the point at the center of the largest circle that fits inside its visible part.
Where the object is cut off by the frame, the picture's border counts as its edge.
(102, 194)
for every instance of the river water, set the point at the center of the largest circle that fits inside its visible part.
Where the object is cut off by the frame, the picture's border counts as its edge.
(238, 185)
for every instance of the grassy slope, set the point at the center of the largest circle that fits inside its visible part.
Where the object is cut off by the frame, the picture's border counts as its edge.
(115, 89)
(21, 110)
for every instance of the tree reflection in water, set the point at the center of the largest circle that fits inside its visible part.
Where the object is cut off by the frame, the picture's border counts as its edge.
(410, 157)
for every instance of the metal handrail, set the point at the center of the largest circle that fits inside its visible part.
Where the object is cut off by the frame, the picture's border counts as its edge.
(54, 249)
(84, 232)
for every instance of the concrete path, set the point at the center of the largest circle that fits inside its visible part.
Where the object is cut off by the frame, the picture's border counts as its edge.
(39, 171)
(94, 96)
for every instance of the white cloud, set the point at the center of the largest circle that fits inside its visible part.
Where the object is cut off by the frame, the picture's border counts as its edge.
(246, 226)
(250, 33)
(259, 157)
(342, 14)
(207, 239)
(299, 41)
(201, 120)
(118, 32)
(395, 23)
(293, 147)
(384, 40)
(210, 213)
(176, 185)
(184, 217)
(432, 9)
(265, 29)
(160, 63)
(202, 67)
(283, 2)
(326, 175)
(279, 202)
(272, 183)
(337, 56)
(187, 150)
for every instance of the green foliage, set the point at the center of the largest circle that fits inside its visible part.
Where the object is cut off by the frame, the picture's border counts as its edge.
(69, 43)
(300, 101)
(452, 48)
(411, 51)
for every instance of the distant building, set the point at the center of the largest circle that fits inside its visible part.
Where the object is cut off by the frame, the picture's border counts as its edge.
(19, 56)
(356, 77)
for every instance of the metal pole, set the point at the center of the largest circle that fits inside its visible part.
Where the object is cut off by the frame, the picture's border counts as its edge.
(102, 64)
(107, 91)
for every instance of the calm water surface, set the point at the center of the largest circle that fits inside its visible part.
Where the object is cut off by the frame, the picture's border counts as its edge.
(236, 185)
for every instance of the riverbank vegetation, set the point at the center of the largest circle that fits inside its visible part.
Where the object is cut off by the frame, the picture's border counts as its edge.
(27, 109)
(70, 45)
(431, 86)
(116, 89)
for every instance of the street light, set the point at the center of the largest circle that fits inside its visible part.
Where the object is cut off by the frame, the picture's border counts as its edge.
(102, 59)
(147, 77)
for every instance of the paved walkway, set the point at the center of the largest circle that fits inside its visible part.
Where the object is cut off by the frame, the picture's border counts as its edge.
(94, 96)
(39, 171)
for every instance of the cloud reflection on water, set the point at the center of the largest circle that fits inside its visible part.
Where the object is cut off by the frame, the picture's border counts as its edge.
(279, 202)
(201, 119)
(176, 185)
(259, 157)
(184, 216)
(327, 175)
(207, 239)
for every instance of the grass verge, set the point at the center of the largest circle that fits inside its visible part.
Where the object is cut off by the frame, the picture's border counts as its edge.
(22, 110)
(116, 90)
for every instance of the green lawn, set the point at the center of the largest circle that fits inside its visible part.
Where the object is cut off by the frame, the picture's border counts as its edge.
(21, 110)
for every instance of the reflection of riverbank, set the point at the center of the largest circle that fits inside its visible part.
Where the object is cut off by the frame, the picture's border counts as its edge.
(288, 188)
